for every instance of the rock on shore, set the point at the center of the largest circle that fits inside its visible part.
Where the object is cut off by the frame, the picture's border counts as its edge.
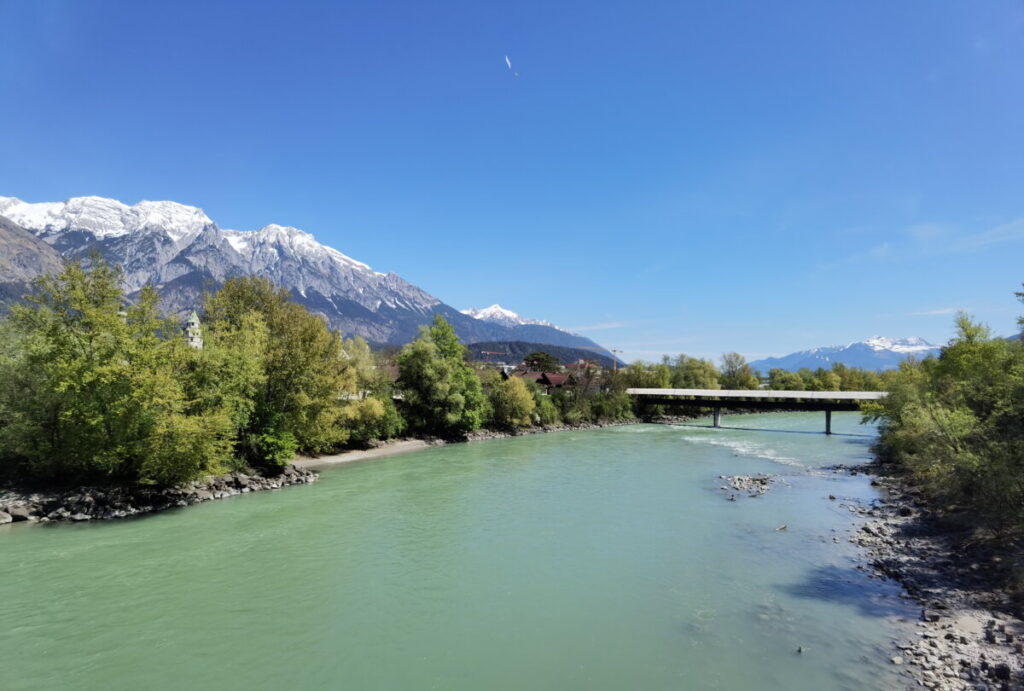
(103, 503)
(484, 434)
(966, 638)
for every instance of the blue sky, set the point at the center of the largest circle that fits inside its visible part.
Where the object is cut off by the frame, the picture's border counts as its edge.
(663, 177)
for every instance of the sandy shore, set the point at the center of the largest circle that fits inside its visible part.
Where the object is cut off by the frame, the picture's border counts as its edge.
(400, 446)
(392, 448)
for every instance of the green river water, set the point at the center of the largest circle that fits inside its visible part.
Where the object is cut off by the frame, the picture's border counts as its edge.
(604, 559)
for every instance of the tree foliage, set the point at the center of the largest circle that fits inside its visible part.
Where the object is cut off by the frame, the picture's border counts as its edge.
(512, 404)
(440, 392)
(539, 361)
(305, 370)
(956, 424)
(737, 373)
(95, 390)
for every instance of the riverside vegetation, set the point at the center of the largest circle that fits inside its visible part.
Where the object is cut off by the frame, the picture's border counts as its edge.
(93, 389)
(953, 428)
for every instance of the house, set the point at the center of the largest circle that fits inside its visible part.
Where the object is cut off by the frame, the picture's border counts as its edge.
(549, 381)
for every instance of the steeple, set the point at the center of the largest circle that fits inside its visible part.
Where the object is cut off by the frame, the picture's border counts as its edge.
(193, 332)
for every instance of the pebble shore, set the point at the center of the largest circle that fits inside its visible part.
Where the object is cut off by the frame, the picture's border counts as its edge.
(967, 637)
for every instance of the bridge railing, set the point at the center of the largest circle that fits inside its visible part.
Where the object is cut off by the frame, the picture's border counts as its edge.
(717, 399)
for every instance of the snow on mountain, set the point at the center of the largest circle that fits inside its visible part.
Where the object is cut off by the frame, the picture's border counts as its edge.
(899, 345)
(184, 253)
(876, 353)
(106, 218)
(496, 314)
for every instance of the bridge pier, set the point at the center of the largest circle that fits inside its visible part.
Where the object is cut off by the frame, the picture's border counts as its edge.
(828, 422)
(718, 417)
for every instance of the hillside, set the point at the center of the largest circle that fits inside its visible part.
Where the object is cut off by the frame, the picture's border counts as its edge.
(875, 354)
(513, 352)
(184, 253)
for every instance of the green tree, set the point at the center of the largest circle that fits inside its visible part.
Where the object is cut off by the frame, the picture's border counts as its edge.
(512, 404)
(956, 424)
(539, 361)
(781, 380)
(545, 412)
(306, 374)
(99, 391)
(737, 374)
(694, 373)
(440, 393)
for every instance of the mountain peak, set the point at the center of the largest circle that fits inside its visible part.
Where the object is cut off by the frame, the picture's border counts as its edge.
(912, 344)
(181, 251)
(496, 314)
(875, 353)
(106, 218)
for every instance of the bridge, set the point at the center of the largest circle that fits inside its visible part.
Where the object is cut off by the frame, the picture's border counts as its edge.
(760, 399)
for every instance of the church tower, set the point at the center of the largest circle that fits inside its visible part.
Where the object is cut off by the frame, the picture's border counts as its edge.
(193, 334)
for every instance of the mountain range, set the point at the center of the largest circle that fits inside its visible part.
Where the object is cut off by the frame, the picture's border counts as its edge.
(875, 353)
(182, 252)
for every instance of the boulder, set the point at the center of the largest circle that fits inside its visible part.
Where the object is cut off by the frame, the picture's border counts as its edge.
(5, 518)
(20, 513)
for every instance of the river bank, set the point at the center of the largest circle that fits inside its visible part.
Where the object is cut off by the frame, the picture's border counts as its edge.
(107, 502)
(969, 636)
(89, 503)
(396, 447)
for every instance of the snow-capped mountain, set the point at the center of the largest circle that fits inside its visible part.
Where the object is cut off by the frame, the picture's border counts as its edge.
(496, 314)
(183, 252)
(876, 353)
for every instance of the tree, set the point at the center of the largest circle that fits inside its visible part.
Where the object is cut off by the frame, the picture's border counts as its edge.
(956, 424)
(440, 393)
(99, 391)
(305, 370)
(737, 374)
(539, 361)
(694, 373)
(512, 404)
(781, 380)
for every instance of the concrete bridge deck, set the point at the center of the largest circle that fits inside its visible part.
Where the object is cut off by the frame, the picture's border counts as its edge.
(763, 399)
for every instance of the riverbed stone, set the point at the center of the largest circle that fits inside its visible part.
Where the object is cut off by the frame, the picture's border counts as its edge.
(21, 513)
(5, 518)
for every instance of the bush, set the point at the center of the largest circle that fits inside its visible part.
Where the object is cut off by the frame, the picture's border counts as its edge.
(371, 418)
(271, 451)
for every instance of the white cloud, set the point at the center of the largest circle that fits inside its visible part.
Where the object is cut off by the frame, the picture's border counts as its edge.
(605, 326)
(936, 313)
(1007, 232)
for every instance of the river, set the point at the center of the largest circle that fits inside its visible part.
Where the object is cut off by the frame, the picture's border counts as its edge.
(601, 559)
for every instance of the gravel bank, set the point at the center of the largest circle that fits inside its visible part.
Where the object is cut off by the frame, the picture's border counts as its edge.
(968, 636)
